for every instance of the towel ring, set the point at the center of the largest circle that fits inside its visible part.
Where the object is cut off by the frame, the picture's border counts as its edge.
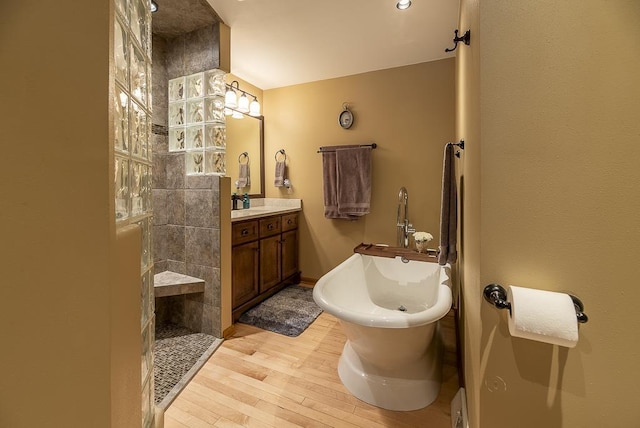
(246, 155)
(281, 151)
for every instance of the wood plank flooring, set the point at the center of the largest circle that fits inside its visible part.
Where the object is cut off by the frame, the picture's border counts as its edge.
(260, 379)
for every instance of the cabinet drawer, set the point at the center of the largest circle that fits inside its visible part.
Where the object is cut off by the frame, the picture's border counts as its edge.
(269, 226)
(244, 232)
(289, 222)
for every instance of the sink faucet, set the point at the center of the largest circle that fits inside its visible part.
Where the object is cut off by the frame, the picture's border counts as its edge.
(403, 226)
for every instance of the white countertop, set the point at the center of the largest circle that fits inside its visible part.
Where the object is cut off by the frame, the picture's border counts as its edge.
(264, 207)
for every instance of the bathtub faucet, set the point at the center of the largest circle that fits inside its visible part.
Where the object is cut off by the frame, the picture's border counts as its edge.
(403, 226)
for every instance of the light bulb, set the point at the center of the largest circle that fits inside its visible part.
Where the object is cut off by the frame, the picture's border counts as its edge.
(237, 115)
(227, 112)
(231, 99)
(243, 103)
(403, 4)
(254, 108)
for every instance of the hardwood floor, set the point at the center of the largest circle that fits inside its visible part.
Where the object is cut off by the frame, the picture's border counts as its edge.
(261, 379)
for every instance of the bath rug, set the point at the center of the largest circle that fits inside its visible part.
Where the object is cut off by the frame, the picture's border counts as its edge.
(288, 312)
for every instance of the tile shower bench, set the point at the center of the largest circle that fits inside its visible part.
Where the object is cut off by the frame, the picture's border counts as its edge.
(169, 283)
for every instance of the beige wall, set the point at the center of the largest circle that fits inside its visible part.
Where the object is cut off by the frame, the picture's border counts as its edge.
(126, 346)
(559, 155)
(57, 221)
(407, 111)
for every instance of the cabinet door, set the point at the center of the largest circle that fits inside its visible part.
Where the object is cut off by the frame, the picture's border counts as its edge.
(289, 253)
(244, 266)
(269, 262)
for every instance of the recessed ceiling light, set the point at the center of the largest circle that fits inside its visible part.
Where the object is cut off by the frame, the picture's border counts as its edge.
(403, 4)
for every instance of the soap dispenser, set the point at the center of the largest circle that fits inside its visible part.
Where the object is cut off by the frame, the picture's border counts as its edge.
(235, 199)
(245, 201)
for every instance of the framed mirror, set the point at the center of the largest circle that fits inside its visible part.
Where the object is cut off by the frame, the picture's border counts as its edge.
(245, 143)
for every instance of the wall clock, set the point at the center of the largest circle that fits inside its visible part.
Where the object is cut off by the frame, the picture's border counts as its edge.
(346, 117)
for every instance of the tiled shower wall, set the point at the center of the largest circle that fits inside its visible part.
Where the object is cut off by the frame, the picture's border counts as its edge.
(186, 229)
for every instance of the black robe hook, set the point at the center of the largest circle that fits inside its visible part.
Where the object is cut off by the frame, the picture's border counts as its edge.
(465, 38)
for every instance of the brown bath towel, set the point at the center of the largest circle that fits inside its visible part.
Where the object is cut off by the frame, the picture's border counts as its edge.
(353, 171)
(347, 192)
(449, 209)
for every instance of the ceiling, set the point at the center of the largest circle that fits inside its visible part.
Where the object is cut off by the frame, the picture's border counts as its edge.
(277, 43)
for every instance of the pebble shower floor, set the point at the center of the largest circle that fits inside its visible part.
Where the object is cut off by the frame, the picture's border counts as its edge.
(176, 351)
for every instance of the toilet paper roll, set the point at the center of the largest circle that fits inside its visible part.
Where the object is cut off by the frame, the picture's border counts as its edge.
(544, 316)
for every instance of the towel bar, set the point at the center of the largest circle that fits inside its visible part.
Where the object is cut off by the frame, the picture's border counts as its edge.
(497, 296)
(327, 150)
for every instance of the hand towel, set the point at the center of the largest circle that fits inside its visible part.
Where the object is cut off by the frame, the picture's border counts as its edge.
(244, 175)
(280, 172)
(449, 209)
(353, 173)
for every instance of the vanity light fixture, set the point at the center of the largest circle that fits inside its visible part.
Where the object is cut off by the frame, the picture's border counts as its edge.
(403, 4)
(154, 6)
(235, 106)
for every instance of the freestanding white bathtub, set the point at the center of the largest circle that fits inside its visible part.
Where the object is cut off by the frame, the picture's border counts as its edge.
(389, 309)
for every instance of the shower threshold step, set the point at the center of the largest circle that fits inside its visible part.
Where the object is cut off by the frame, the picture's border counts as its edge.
(169, 283)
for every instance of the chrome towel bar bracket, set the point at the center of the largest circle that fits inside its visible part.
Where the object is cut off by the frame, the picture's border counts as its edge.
(497, 296)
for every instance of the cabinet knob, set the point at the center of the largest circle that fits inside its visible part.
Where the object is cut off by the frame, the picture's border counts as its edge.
(270, 226)
(244, 232)
(289, 221)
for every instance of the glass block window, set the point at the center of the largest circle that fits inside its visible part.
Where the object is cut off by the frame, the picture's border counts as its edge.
(197, 121)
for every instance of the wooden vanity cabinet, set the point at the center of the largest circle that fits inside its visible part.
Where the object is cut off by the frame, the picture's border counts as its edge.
(264, 259)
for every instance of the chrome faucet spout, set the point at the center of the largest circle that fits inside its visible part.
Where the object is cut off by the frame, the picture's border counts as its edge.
(403, 226)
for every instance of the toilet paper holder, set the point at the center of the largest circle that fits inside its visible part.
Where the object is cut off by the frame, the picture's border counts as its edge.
(497, 296)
